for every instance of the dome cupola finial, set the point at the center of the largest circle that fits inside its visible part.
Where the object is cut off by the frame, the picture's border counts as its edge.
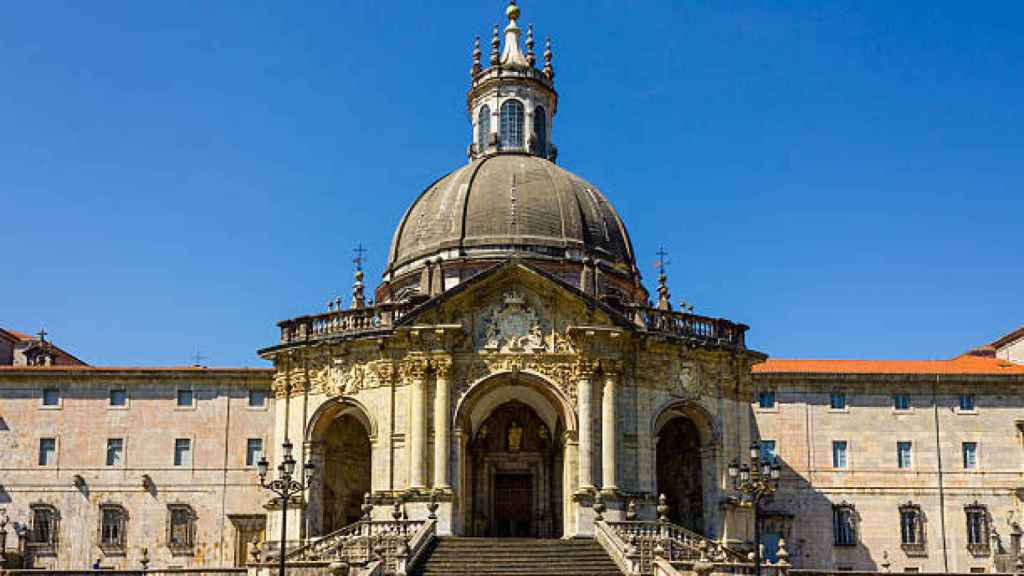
(511, 102)
(512, 55)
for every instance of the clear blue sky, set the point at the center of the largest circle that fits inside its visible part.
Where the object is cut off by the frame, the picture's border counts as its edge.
(844, 177)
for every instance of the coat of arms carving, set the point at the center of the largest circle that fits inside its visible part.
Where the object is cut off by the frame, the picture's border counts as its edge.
(512, 325)
(687, 380)
(347, 379)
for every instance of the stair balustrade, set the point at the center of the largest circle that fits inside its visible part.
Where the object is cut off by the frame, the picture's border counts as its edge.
(635, 544)
(397, 544)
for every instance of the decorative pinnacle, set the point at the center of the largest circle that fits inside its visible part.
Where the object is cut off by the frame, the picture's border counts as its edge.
(495, 42)
(512, 11)
(664, 297)
(511, 56)
(549, 70)
(476, 57)
(530, 58)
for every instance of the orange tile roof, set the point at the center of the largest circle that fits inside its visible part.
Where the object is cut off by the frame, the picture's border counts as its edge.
(966, 364)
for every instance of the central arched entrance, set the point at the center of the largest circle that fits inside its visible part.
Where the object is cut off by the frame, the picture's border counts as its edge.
(515, 464)
(513, 432)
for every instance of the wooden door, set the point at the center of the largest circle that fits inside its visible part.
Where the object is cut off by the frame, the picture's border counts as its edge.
(513, 505)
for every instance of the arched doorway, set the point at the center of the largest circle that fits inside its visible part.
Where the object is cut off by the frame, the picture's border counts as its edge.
(515, 474)
(679, 472)
(346, 472)
(515, 432)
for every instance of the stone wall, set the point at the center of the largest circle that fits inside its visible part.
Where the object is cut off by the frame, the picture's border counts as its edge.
(803, 426)
(216, 484)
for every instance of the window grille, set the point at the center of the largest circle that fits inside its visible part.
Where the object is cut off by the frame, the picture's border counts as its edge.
(844, 529)
(540, 130)
(483, 127)
(181, 528)
(512, 125)
(113, 525)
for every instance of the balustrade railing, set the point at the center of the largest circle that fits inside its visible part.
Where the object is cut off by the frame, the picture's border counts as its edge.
(686, 325)
(634, 545)
(384, 317)
(395, 543)
(350, 322)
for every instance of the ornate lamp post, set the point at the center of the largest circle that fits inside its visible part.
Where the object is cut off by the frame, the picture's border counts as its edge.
(285, 487)
(755, 481)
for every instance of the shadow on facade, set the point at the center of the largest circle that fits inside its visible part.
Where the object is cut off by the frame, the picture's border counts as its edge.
(806, 518)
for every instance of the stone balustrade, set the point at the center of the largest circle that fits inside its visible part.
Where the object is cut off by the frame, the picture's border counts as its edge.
(394, 544)
(382, 318)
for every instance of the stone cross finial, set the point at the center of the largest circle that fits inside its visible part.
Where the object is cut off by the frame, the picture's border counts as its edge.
(42, 334)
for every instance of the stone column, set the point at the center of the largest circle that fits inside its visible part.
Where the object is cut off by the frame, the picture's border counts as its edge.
(442, 434)
(317, 454)
(610, 429)
(585, 399)
(414, 371)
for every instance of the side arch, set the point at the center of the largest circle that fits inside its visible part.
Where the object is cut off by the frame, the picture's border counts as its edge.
(322, 418)
(707, 427)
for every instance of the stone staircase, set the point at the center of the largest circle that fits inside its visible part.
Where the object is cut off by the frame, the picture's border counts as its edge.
(516, 557)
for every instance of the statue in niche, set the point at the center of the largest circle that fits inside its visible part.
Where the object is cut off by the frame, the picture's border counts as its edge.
(543, 433)
(515, 437)
(482, 435)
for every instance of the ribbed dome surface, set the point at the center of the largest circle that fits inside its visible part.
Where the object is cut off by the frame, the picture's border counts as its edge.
(512, 204)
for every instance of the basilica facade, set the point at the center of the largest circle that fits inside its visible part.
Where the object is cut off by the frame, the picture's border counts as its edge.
(511, 376)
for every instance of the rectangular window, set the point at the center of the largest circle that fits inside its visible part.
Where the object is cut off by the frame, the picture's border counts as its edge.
(908, 526)
(901, 401)
(970, 450)
(47, 451)
(44, 525)
(839, 454)
(843, 530)
(118, 397)
(186, 398)
(257, 398)
(768, 450)
(967, 402)
(112, 527)
(253, 451)
(181, 527)
(838, 401)
(977, 526)
(115, 451)
(183, 452)
(51, 397)
(766, 399)
(903, 453)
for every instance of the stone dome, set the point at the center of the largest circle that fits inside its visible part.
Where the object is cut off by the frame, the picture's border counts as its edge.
(506, 205)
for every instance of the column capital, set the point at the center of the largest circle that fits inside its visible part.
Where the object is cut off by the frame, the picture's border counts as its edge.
(612, 368)
(584, 368)
(442, 366)
(413, 368)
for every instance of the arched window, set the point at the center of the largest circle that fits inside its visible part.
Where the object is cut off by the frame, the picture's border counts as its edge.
(540, 130)
(512, 124)
(483, 127)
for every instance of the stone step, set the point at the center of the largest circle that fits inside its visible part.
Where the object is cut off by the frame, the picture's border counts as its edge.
(451, 556)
